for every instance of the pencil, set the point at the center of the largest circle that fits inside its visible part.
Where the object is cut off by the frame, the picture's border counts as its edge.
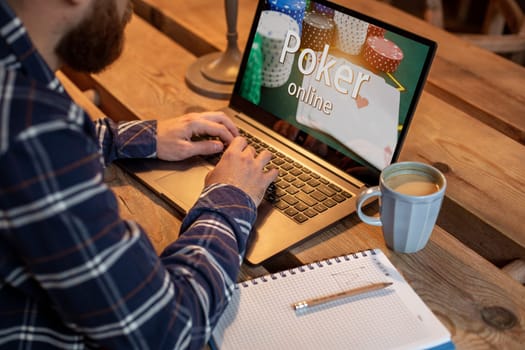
(347, 293)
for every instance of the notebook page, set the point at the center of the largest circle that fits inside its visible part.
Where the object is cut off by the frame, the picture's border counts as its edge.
(261, 315)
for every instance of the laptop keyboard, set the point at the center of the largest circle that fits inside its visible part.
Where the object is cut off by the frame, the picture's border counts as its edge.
(298, 192)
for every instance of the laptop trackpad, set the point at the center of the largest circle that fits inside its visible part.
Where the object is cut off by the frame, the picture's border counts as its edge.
(184, 185)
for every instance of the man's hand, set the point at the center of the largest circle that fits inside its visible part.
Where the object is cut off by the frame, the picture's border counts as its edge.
(241, 167)
(174, 135)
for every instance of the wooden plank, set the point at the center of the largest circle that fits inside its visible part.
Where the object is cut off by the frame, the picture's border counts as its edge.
(484, 169)
(159, 220)
(477, 81)
(80, 97)
(202, 33)
(478, 234)
(147, 82)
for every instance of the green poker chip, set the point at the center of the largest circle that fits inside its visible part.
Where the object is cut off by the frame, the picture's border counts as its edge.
(252, 80)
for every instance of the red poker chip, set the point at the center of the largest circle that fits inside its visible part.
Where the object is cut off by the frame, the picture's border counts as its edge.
(374, 30)
(382, 54)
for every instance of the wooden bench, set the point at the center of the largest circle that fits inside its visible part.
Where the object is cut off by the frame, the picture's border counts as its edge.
(472, 97)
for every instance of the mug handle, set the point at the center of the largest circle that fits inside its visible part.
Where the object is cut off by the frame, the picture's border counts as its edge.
(363, 196)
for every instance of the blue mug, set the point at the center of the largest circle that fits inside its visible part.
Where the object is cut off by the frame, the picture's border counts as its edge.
(410, 197)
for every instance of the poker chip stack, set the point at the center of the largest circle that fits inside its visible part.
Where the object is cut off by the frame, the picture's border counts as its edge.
(293, 8)
(374, 30)
(350, 33)
(322, 9)
(252, 80)
(318, 30)
(382, 54)
(272, 28)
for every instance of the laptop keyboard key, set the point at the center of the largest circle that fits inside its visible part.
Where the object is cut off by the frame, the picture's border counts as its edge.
(282, 184)
(279, 192)
(338, 198)
(290, 200)
(292, 190)
(335, 187)
(306, 199)
(304, 177)
(296, 172)
(310, 212)
(320, 208)
(287, 166)
(289, 178)
(307, 189)
(301, 206)
(330, 203)
(298, 183)
(300, 218)
(347, 194)
(291, 212)
(277, 161)
(318, 196)
(326, 190)
(281, 205)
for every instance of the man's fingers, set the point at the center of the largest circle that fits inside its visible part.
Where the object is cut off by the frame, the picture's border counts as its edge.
(222, 119)
(238, 144)
(206, 147)
(264, 157)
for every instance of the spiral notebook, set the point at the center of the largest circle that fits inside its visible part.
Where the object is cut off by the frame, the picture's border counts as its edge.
(261, 314)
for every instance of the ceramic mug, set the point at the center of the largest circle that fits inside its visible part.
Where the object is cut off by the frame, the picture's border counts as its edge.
(410, 195)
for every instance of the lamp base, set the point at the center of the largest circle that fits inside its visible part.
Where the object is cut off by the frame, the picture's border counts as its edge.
(203, 85)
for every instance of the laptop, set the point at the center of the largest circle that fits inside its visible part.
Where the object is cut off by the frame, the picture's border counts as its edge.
(331, 93)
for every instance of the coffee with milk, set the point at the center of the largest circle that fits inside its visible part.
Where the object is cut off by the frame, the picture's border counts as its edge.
(412, 184)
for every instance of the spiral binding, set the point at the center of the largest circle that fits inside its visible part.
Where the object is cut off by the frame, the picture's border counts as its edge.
(310, 266)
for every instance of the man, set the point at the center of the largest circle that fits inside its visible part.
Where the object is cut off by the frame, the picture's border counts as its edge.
(73, 274)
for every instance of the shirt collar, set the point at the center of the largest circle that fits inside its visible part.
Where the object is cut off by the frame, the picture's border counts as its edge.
(18, 52)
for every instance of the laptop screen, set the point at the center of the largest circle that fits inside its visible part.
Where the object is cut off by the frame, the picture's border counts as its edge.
(340, 84)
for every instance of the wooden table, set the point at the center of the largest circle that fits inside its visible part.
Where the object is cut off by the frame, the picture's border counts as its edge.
(459, 285)
(471, 98)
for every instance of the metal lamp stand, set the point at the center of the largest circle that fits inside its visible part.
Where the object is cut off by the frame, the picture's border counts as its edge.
(214, 75)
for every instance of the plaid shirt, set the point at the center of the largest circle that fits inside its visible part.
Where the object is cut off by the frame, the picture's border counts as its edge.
(73, 274)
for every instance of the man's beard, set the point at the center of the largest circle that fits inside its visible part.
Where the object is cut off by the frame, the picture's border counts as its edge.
(97, 41)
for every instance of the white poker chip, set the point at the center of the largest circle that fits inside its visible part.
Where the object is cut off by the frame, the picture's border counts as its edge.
(293, 8)
(273, 28)
(351, 33)
(274, 25)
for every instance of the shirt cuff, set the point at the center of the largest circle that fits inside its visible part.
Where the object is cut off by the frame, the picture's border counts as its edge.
(137, 139)
(227, 203)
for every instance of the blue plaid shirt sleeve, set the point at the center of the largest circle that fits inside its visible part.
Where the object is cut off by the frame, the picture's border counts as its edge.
(132, 139)
(73, 273)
